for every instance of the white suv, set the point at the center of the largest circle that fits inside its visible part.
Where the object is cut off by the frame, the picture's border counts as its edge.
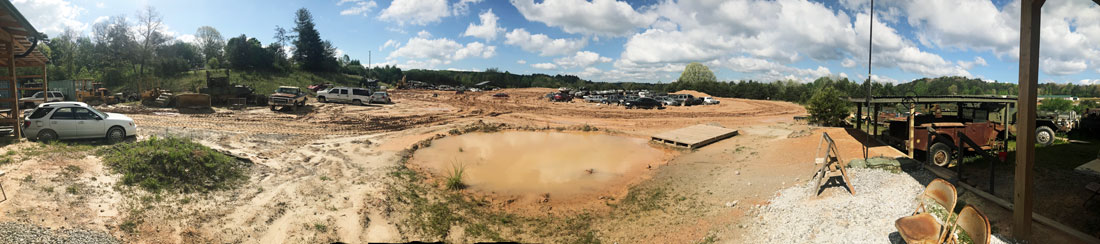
(36, 99)
(356, 96)
(76, 120)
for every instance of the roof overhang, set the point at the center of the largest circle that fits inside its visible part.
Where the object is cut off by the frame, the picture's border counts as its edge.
(15, 27)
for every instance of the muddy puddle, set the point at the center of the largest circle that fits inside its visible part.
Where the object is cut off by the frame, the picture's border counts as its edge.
(540, 162)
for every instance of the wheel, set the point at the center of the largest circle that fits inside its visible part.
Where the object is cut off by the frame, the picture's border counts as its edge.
(322, 99)
(272, 108)
(941, 154)
(115, 135)
(47, 136)
(357, 102)
(1044, 136)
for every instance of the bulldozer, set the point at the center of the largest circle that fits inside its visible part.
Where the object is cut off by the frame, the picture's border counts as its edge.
(158, 98)
(222, 92)
(93, 93)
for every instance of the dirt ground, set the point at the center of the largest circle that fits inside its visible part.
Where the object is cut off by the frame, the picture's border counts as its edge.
(328, 172)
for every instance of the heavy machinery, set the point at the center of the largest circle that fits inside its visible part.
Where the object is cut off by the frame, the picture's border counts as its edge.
(93, 93)
(221, 91)
(158, 98)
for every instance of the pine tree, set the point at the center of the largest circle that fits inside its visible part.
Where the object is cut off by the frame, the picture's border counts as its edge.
(309, 51)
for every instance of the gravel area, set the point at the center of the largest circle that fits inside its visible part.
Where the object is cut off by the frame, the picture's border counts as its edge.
(794, 216)
(13, 232)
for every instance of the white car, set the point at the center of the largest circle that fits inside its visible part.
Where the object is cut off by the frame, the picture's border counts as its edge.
(36, 99)
(710, 100)
(356, 96)
(76, 120)
(380, 97)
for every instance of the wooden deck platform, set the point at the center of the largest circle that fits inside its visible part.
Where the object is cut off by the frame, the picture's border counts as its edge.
(695, 136)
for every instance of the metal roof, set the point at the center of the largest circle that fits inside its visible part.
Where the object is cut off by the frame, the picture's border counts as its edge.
(13, 24)
(936, 99)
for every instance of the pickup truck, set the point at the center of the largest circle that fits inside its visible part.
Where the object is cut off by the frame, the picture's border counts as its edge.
(287, 96)
(36, 99)
(357, 96)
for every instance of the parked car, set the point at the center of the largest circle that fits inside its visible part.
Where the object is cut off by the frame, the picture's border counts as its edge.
(76, 120)
(561, 97)
(685, 99)
(594, 99)
(380, 97)
(36, 99)
(710, 101)
(645, 102)
(500, 95)
(667, 101)
(355, 96)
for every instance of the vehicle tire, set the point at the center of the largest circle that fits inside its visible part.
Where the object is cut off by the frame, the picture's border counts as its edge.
(357, 102)
(1044, 136)
(272, 108)
(941, 154)
(115, 135)
(322, 99)
(46, 135)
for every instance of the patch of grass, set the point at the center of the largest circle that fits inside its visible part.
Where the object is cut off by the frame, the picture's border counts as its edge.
(28, 179)
(325, 178)
(436, 219)
(454, 181)
(173, 163)
(74, 189)
(481, 230)
(644, 199)
(709, 239)
(48, 189)
(128, 226)
(1061, 155)
(320, 227)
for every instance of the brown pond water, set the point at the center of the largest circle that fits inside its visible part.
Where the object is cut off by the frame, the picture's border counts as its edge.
(522, 163)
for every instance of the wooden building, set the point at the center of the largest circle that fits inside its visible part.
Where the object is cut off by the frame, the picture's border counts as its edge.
(25, 66)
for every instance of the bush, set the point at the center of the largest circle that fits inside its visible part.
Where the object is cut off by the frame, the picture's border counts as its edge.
(173, 164)
(827, 107)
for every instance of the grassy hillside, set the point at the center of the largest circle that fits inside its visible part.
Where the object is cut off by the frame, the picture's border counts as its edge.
(263, 82)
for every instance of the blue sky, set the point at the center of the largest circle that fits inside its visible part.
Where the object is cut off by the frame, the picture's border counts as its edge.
(650, 41)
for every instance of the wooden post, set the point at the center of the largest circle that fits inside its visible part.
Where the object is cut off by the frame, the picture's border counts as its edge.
(1030, 13)
(912, 126)
(15, 113)
(859, 116)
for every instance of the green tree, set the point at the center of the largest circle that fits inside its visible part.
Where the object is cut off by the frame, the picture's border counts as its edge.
(1056, 104)
(697, 73)
(310, 52)
(211, 43)
(827, 107)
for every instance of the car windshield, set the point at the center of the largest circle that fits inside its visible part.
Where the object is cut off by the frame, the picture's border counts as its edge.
(287, 90)
(37, 95)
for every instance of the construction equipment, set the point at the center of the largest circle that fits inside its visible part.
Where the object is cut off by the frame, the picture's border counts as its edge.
(157, 98)
(93, 93)
(193, 101)
(221, 90)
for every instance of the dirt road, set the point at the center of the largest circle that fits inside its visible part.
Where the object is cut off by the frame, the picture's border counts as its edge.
(323, 173)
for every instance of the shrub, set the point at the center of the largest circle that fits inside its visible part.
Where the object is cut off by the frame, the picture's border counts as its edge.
(827, 107)
(173, 164)
(454, 182)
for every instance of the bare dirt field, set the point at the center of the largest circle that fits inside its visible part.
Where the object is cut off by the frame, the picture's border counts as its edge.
(337, 172)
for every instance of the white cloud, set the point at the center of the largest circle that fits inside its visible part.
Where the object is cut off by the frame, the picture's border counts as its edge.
(848, 63)
(416, 12)
(427, 53)
(188, 38)
(388, 44)
(1061, 67)
(1089, 82)
(979, 61)
(424, 34)
(521, 61)
(358, 7)
(101, 19)
(765, 70)
(51, 16)
(597, 17)
(99, 5)
(543, 44)
(547, 66)
(462, 7)
(581, 59)
(487, 30)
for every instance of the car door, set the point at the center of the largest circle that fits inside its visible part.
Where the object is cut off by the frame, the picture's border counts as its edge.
(334, 95)
(89, 124)
(344, 96)
(361, 94)
(63, 121)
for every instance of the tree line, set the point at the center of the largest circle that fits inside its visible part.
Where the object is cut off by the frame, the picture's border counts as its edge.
(123, 51)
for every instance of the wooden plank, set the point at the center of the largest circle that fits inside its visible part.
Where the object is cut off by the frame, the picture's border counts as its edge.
(694, 136)
(1030, 16)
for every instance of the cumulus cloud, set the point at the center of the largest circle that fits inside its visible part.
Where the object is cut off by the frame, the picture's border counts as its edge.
(543, 44)
(487, 30)
(388, 44)
(770, 71)
(462, 7)
(596, 17)
(425, 53)
(581, 59)
(1062, 67)
(416, 12)
(357, 7)
(51, 16)
(979, 61)
(548, 66)
(521, 61)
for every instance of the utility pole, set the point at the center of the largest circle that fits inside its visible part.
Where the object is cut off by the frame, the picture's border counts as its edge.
(870, 48)
(369, 68)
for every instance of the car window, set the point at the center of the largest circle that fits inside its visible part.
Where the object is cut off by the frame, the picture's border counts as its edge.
(360, 92)
(37, 95)
(380, 93)
(63, 113)
(84, 114)
(40, 112)
(344, 91)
